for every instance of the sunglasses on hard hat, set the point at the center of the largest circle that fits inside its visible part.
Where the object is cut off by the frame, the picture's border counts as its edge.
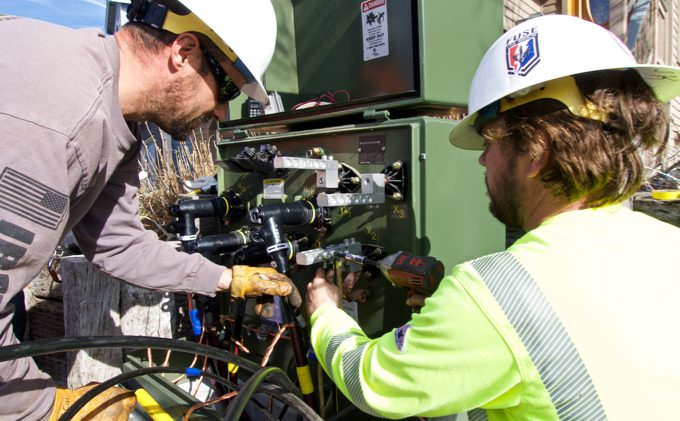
(226, 88)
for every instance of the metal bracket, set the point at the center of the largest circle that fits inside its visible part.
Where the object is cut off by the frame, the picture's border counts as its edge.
(327, 169)
(377, 115)
(372, 192)
(314, 256)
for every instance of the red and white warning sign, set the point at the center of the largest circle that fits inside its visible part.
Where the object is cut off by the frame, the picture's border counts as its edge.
(374, 26)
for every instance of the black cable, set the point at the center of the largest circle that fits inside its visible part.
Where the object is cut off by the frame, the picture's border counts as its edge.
(254, 385)
(49, 346)
(291, 400)
(145, 371)
(277, 377)
(288, 398)
(238, 405)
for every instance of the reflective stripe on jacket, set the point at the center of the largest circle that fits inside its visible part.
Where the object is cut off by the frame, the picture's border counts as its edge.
(577, 320)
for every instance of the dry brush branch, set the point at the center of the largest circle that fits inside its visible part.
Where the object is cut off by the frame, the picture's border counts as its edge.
(166, 174)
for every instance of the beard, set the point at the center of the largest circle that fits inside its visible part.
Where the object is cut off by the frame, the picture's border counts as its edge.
(505, 197)
(174, 111)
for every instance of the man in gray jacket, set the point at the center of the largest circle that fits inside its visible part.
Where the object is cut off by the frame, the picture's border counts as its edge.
(70, 100)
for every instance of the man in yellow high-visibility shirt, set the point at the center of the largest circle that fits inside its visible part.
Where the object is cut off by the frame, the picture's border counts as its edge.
(578, 319)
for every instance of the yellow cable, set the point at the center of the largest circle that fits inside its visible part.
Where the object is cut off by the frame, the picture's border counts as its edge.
(155, 411)
(666, 194)
(232, 368)
(305, 378)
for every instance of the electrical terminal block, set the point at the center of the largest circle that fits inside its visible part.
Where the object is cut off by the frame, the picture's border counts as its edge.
(349, 199)
(295, 163)
(324, 254)
(372, 192)
(327, 169)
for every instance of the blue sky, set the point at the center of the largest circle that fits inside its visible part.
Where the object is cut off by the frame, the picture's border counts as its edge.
(71, 13)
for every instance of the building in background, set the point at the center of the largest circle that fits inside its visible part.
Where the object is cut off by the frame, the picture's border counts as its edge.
(649, 28)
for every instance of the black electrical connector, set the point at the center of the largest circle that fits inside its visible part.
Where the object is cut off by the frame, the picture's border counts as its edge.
(253, 160)
(218, 243)
(228, 205)
(272, 218)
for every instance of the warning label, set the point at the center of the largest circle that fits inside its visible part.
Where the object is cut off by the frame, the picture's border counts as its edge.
(273, 188)
(374, 26)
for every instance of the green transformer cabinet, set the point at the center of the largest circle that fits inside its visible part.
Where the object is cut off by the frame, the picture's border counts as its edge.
(364, 95)
(438, 209)
(354, 55)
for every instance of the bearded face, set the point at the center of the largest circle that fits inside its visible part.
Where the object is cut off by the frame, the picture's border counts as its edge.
(181, 104)
(503, 183)
(175, 110)
(504, 194)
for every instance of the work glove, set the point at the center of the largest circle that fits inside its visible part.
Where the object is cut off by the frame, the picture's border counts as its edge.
(249, 281)
(114, 404)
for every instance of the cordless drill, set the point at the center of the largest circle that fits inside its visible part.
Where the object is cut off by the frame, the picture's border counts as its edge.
(419, 273)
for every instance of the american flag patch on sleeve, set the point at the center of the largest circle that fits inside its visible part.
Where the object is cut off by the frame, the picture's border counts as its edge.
(26, 197)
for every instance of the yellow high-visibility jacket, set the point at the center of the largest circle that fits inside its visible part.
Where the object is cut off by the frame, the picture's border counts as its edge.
(578, 320)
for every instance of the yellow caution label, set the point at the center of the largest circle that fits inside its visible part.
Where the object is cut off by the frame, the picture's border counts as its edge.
(232, 368)
(305, 379)
(155, 411)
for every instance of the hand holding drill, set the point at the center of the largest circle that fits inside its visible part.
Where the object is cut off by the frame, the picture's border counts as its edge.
(419, 274)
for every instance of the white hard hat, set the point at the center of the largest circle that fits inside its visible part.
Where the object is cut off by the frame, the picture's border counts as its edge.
(544, 49)
(244, 30)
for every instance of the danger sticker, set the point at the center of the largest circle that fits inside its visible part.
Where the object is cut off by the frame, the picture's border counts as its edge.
(374, 27)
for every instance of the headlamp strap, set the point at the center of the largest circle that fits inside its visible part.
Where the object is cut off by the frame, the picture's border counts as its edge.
(143, 11)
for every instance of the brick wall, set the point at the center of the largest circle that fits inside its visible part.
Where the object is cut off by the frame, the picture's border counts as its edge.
(645, 51)
(516, 10)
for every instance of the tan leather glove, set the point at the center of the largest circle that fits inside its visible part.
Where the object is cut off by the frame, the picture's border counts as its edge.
(114, 404)
(249, 281)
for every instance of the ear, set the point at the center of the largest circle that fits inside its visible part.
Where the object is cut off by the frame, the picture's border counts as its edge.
(182, 48)
(537, 163)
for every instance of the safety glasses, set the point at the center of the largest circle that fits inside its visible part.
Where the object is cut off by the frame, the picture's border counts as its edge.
(226, 88)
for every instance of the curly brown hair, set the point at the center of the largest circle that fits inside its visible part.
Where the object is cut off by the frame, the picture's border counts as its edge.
(589, 159)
